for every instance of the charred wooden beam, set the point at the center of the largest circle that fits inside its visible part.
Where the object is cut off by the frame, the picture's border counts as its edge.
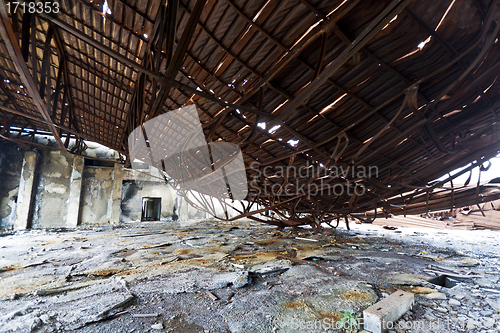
(172, 9)
(34, 56)
(373, 29)
(319, 65)
(45, 71)
(43, 121)
(25, 39)
(322, 28)
(63, 66)
(11, 42)
(179, 54)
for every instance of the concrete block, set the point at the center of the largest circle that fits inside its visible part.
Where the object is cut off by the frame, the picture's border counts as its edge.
(381, 316)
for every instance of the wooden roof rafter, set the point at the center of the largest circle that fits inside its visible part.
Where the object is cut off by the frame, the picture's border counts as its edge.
(332, 74)
(11, 41)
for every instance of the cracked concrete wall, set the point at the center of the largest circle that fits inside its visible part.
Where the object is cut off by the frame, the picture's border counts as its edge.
(134, 190)
(149, 182)
(11, 162)
(97, 196)
(50, 207)
(75, 191)
(27, 190)
(116, 194)
(67, 194)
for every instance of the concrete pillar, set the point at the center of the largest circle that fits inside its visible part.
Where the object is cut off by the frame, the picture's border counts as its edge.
(116, 194)
(26, 190)
(75, 192)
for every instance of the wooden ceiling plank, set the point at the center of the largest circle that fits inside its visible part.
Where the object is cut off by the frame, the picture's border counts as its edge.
(322, 28)
(364, 38)
(179, 54)
(126, 61)
(12, 45)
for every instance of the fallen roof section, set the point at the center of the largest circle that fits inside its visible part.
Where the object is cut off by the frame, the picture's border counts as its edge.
(406, 89)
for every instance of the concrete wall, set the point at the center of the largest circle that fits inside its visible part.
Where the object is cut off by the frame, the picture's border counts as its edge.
(97, 188)
(132, 193)
(58, 191)
(52, 194)
(11, 161)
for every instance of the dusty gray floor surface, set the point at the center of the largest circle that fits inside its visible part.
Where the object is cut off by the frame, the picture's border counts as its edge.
(154, 277)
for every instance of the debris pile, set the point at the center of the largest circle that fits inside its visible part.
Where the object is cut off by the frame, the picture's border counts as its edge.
(219, 278)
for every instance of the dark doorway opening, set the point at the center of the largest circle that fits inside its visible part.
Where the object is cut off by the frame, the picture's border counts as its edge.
(151, 209)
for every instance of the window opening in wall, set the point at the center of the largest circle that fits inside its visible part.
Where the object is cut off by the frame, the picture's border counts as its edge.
(98, 163)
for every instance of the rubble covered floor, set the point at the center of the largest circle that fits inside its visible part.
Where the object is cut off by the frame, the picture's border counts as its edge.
(164, 277)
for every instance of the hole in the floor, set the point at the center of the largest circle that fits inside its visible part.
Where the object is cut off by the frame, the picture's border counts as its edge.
(444, 281)
(439, 280)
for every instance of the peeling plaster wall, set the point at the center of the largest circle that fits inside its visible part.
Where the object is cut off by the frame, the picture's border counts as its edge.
(50, 208)
(67, 193)
(11, 162)
(149, 183)
(132, 193)
(97, 192)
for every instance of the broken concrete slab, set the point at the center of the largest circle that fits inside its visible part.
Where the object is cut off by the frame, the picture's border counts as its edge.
(488, 281)
(169, 277)
(436, 295)
(467, 262)
(407, 279)
(194, 280)
(279, 265)
(494, 302)
(63, 289)
(72, 310)
(158, 326)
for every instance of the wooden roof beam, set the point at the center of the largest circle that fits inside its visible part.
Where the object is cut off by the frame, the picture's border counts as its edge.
(324, 27)
(313, 9)
(364, 38)
(374, 28)
(434, 111)
(178, 57)
(174, 84)
(140, 68)
(11, 42)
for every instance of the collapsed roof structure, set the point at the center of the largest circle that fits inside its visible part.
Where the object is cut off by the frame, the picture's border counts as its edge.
(339, 108)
